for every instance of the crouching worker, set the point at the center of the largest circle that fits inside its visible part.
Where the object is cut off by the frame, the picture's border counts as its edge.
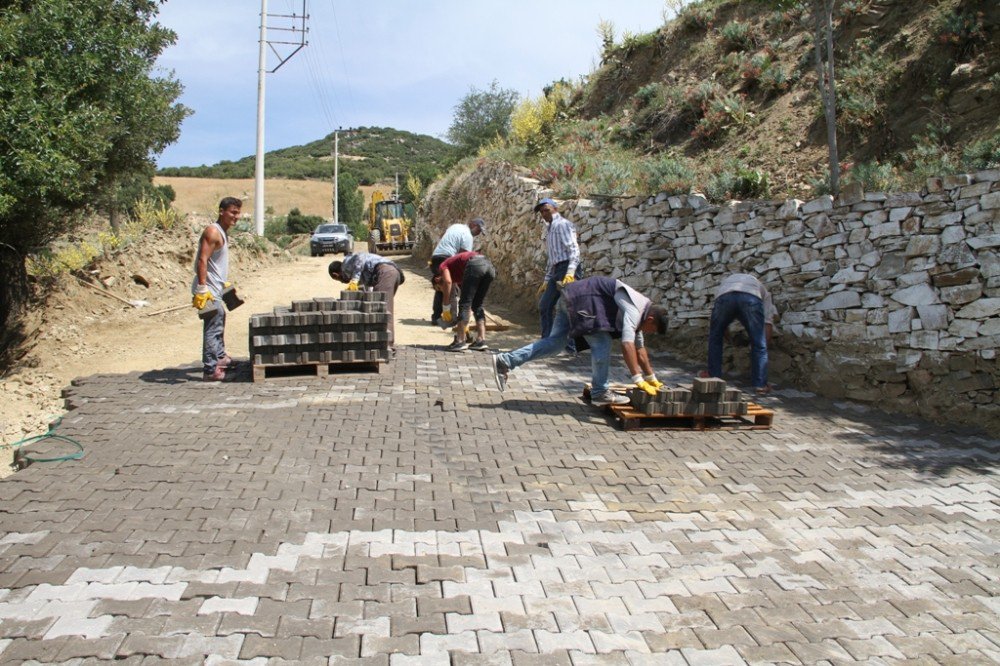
(375, 273)
(597, 309)
(473, 274)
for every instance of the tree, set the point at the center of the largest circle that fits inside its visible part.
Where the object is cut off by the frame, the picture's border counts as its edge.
(80, 112)
(350, 207)
(482, 116)
(822, 11)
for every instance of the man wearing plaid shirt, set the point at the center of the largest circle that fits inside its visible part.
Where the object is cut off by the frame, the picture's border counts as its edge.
(563, 265)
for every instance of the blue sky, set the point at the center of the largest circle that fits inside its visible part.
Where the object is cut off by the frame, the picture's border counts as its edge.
(396, 63)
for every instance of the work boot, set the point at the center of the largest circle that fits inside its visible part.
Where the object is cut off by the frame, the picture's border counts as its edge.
(217, 375)
(500, 371)
(609, 398)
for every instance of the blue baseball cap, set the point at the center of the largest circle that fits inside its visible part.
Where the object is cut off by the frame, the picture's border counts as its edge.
(542, 202)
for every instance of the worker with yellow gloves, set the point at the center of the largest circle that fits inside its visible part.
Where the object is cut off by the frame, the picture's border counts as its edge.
(596, 310)
(371, 272)
(211, 269)
(562, 266)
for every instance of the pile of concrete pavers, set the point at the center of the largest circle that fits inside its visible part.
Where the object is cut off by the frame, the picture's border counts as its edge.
(352, 329)
(705, 397)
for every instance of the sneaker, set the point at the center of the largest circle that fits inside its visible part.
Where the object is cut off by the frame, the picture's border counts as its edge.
(457, 346)
(609, 398)
(479, 345)
(217, 375)
(500, 371)
(762, 390)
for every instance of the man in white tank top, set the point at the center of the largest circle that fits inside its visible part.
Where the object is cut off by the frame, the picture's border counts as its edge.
(211, 270)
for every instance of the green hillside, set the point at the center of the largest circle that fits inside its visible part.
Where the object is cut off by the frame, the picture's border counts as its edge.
(370, 154)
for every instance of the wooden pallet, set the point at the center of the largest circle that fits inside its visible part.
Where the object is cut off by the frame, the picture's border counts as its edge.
(756, 418)
(321, 370)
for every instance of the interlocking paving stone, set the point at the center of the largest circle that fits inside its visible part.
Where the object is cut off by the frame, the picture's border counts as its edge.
(418, 516)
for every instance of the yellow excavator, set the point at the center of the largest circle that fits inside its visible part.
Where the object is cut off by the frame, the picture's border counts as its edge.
(389, 229)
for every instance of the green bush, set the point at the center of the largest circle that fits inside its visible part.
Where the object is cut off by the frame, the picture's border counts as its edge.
(984, 154)
(297, 223)
(738, 36)
(738, 181)
(666, 173)
(696, 16)
(874, 176)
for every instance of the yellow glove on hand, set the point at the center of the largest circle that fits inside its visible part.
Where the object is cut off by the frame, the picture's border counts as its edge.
(227, 285)
(541, 289)
(569, 279)
(352, 285)
(646, 386)
(447, 317)
(201, 297)
(654, 382)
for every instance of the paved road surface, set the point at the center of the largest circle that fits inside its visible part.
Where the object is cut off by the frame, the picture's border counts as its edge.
(416, 516)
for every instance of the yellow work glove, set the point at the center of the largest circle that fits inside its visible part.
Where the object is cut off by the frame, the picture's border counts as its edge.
(227, 285)
(653, 381)
(447, 317)
(569, 279)
(541, 289)
(201, 297)
(352, 285)
(646, 386)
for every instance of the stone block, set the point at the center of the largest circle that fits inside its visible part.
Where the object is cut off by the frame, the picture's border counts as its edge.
(918, 294)
(839, 301)
(953, 278)
(901, 321)
(928, 244)
(708, 385)
(961, 294)
(933, 317)
(980, 309)
(980, 242)
(990, 201)
(820, 204)
(956, 181)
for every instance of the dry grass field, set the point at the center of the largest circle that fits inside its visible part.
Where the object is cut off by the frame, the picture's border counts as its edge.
(202, 195)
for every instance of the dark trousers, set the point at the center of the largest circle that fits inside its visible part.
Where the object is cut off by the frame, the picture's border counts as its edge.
(476, 281)
(438, 307)
(549, 298)
(387, 280)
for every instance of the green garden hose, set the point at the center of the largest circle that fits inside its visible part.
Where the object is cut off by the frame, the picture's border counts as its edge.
(24, 456)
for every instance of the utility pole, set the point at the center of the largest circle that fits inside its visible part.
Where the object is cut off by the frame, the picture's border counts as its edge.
(336, 175)
(298, 30)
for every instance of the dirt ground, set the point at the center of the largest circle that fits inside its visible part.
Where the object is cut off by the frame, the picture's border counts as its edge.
(83, 332)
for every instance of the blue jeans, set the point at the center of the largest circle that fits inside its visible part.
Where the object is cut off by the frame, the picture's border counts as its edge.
(600, 350)
(549, 298)
(749, 310)
(213, 347)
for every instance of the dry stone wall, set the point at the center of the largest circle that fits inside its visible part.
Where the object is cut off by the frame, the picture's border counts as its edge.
(890, 299)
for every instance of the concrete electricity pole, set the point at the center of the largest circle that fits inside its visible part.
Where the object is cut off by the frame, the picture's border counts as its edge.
(299, 30)
(336, 175)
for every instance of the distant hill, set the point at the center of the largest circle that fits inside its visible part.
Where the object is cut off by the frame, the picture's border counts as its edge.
(370, 154)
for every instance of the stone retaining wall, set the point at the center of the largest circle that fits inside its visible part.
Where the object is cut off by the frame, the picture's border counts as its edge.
(890, 299)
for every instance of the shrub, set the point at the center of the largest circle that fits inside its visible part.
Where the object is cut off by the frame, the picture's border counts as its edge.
(874, 176)
(612, 179)
(861, 87)
(696, 17)
(984, 154)
(738, 36)
(961, 31)
(774, 80)
(666, 173)
(738, 181)
(531, 124)
(297, 223)
(721, 115)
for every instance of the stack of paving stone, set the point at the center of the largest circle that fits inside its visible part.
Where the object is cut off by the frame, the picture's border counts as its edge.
(353, 329)
(705, 397)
